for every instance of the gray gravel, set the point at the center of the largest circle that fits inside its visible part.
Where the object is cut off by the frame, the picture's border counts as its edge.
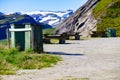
(93, 59)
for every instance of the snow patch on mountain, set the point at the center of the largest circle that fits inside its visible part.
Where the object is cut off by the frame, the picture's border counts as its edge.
(49, 17)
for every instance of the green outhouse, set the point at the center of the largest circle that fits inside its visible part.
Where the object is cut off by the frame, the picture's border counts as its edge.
(19, 37)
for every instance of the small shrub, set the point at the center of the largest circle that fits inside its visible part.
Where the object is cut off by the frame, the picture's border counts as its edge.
(38, 61)
(29, 50)
(6, 68)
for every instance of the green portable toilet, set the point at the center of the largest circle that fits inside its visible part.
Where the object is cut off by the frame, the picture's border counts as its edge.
(110, 32)
(19, 37)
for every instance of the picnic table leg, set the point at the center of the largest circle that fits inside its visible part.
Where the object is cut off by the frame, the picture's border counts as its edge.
(46, 40)
(77, 37)
(62, 41)
(67, 38)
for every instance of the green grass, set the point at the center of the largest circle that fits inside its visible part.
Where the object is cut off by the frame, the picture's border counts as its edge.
(101, 7)
(0, 78)
(49, 31)
(109, 13)
(12, 60)
(3, 42)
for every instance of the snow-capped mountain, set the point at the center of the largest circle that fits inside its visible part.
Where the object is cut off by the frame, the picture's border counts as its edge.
(49, 17)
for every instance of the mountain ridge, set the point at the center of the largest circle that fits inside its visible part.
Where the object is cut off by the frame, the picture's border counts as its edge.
(48, 17)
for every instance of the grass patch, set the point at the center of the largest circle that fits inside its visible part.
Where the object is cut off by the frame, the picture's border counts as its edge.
(0, 78)
(109, 13)
(12, 60)
(3, 42)
(102, 6)
(49, 31)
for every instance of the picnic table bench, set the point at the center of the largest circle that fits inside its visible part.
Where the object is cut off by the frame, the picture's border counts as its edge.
(61, 37)
(75, 35)
(47, 38)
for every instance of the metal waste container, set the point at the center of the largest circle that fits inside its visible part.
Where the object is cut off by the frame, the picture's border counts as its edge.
(110, 32)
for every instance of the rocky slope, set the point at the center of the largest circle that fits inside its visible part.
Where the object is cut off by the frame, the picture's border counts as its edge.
(107, 13)
(82, 21)
(94, 15)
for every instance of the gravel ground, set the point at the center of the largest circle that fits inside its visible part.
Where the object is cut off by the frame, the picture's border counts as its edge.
(92, 59)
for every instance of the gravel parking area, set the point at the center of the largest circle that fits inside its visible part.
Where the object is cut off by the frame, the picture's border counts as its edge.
(91, 59)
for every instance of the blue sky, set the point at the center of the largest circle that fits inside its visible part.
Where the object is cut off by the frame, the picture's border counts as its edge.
(35, 5)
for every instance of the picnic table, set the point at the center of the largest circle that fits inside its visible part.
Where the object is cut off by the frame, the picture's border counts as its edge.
(47, 38)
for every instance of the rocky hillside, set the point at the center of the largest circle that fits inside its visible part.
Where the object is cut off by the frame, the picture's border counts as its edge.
(82, 21)
(94, 15)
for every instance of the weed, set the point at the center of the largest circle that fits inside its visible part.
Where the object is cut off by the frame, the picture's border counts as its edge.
(12, 60)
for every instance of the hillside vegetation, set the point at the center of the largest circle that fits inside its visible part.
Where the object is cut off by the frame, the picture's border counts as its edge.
(108, 14)
(49, 31)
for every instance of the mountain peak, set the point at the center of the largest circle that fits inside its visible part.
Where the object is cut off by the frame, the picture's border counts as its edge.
(48, 17)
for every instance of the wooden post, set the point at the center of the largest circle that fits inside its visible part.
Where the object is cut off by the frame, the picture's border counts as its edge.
(77, 37)
(8, 38)
(32, 38)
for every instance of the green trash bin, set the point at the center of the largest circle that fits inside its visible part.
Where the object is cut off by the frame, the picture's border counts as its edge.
(110, 32)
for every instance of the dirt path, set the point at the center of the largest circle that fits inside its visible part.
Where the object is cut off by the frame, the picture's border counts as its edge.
(93, 59)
